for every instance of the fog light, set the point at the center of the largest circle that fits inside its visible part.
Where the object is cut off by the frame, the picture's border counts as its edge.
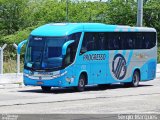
(68, 79)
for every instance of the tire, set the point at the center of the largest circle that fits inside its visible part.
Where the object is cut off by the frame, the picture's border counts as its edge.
(81, 83)
(46, 89)
(135, 80)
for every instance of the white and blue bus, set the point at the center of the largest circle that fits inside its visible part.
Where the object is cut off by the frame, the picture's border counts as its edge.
(80, 54)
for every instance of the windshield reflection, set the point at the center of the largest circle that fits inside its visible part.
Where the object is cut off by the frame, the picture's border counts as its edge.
(44, 52)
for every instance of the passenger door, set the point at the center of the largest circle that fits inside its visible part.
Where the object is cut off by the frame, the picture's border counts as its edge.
(95, 57)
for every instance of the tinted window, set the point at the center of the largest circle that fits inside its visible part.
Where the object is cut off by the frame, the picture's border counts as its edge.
(150, 40)
(118, 40)
(130, 41)
(113, 41)
(72, 48)
(139, 39)
(93, 41)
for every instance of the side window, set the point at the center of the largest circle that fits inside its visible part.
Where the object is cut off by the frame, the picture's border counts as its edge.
(88, 42)
(101, 38)
(122, 40)
(72, 48)
(130, 41)
(150, 40)
(111, 42)
(114, 41)
(153, 39)
(117, 41)
(92, 41)
(139, 39)
(106, 41)
(75, 36)
(145, 40)
(67, 59)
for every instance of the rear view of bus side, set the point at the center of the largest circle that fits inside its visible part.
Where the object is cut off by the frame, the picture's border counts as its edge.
(80, 54)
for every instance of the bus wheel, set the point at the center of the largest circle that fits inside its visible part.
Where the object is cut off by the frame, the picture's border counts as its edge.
(46, 89)
(135, 80)
(81, 83)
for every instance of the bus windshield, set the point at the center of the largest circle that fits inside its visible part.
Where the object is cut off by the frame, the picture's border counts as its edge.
(44, 52)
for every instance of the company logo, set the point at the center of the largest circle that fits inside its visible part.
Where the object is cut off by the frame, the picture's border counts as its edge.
(119, 67)
(91, 57)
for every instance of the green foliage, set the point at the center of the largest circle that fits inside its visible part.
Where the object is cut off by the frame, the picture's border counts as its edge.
(17, 37)
(88, 12)
(10, 51)
(11, 12)
(152, 15)
(19, 17)
(122, 12)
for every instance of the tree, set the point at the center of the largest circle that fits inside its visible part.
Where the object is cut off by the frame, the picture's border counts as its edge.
(122, 12)
(11, 12)
(152, 15)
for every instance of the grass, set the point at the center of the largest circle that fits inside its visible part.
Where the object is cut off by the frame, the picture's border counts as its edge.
(10, 66)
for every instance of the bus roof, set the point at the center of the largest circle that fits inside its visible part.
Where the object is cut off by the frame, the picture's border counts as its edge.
(63, 29)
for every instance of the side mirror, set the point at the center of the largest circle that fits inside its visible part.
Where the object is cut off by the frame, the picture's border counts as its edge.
(20, 45)
(64, 48)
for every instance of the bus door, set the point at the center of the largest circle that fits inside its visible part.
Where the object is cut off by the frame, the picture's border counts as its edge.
(94, 55)
(96, 67)
(98, 71)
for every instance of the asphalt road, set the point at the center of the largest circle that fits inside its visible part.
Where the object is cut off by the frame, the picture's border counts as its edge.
(115, 99)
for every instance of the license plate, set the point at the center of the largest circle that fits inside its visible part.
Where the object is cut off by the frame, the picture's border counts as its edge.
(40, 83)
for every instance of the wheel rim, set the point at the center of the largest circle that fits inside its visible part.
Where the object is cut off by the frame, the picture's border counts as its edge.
(135, 79)
(81, 83)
